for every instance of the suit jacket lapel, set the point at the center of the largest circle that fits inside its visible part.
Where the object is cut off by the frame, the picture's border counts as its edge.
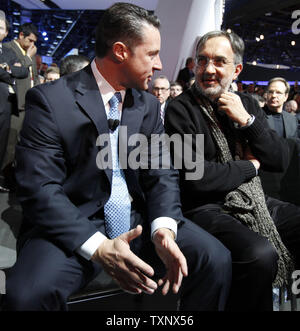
(91, 103)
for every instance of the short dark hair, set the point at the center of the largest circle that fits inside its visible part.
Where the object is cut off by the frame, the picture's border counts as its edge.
(28, 28)
(188, 61)
(122, 22)
(237, 43)
(72, 63)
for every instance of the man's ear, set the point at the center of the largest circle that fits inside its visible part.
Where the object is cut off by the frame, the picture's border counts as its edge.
(238, 69)
(120, 51)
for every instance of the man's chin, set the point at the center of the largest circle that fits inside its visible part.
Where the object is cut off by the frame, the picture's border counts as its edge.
(210, 92)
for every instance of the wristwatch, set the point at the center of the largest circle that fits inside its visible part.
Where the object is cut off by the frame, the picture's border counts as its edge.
(249, 122)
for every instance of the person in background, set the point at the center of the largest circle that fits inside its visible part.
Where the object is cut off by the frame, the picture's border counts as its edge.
(161, 90)
(52, 73)
(187, 73)
(284, 123)
(10, 70)
(291, 107)
(25, 51)
(82, 217)
(175, 89)
(73, 63)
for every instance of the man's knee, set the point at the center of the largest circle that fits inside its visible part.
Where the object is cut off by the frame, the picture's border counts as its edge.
(37, 295)
(262, 258)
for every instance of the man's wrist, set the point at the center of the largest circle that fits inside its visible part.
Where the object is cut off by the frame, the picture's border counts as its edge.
(248, 123)
(164, 222)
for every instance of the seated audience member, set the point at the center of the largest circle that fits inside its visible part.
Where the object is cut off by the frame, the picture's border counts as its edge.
(262, 234)
(52, 73)
(81, 216)
(185, 74)
(284, 123)
(175, 89)
(291, 107)
(260, 99)
(73, 63)
(161, 89)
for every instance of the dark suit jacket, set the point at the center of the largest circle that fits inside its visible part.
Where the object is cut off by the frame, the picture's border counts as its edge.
(8, 56)
(59, 184)
(184, 116)
(23, 84)
(289, 123)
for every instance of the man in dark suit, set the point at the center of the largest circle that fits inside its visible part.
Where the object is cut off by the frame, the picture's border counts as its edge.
(10, 70)
(25, 50)
(263, 234)
(284, 123)
(65, 189)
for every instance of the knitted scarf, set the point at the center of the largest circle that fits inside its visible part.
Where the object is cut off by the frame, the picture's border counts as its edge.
(247, 203)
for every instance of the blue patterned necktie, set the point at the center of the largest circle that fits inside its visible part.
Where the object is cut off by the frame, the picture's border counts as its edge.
(117, 208)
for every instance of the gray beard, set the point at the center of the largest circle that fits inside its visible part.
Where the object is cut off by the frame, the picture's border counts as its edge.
(213, 93)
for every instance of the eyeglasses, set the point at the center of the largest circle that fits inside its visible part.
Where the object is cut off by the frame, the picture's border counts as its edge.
(218, 61)
(163, 89)
(270, 92)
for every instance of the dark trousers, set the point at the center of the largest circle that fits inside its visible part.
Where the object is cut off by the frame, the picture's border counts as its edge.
(254, 260)
(44, 276)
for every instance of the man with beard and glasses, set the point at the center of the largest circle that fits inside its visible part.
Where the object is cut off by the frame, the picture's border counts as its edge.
(261, 233)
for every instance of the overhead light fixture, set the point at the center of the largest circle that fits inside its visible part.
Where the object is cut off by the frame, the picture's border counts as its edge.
(257, 39)
(277, 66)
(229, 30)
(262, 37)
(254, 63)
(293, 43)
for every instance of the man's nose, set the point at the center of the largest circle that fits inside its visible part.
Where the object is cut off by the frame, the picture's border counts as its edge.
(157, 64)
(210, 68)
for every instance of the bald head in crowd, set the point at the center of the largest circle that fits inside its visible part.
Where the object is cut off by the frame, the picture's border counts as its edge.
(291, 106)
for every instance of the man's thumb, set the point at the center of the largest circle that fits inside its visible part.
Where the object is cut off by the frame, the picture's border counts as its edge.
(132, 234)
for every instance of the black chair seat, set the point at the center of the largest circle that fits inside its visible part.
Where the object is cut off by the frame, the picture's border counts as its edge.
(102, 286)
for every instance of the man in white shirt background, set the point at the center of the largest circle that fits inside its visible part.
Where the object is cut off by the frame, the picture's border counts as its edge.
(161, 89)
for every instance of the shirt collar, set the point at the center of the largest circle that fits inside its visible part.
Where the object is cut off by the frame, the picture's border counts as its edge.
(105, 89)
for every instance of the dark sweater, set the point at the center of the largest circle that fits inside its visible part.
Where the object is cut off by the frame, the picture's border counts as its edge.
(184, 116)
